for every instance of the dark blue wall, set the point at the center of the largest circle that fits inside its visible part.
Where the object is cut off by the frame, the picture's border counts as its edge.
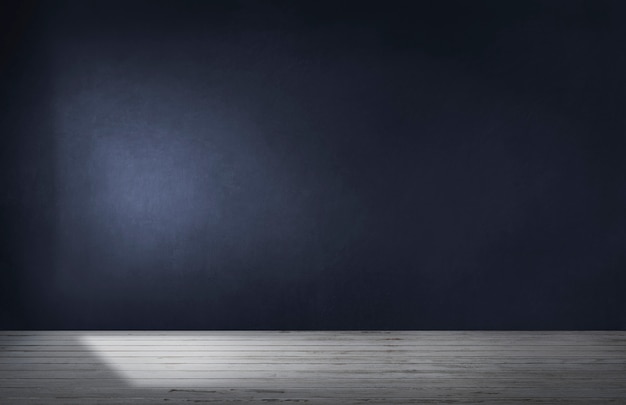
(313, 165)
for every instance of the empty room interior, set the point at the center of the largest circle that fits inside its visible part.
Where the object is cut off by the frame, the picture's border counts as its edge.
(312, 201)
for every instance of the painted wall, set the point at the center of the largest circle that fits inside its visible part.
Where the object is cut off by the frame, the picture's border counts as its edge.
(313, 165)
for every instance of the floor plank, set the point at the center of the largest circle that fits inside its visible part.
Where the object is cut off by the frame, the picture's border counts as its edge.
(312, 367)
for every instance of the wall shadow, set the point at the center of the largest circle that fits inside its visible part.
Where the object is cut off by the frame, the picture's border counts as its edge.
(28, 207)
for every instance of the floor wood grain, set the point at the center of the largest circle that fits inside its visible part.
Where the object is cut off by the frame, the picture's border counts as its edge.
(375, 367)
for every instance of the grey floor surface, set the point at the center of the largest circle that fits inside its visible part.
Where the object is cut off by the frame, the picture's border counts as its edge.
(377, 367)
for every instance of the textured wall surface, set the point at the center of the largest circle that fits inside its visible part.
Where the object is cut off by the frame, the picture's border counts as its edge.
(313, 165)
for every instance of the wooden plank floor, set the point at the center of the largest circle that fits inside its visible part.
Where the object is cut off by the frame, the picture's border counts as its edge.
(312, 367)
